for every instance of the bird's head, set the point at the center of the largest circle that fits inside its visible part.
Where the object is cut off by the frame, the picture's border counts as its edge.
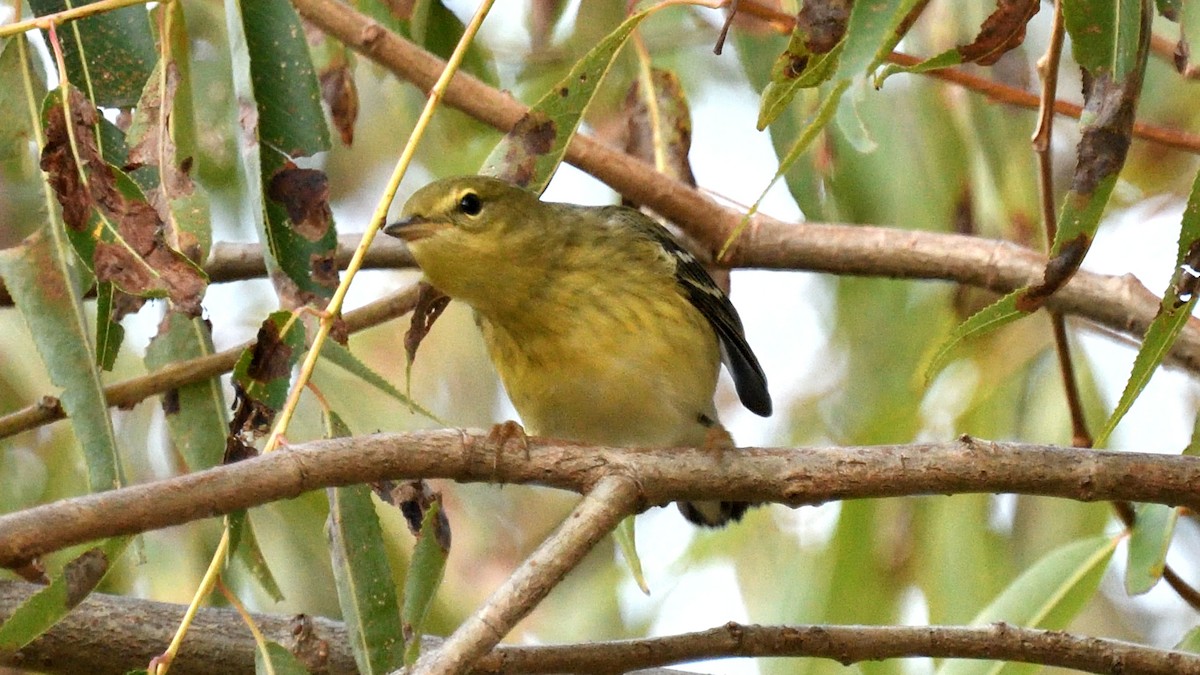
(467, 234)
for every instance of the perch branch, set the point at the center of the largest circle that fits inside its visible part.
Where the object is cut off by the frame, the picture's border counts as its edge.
(794, 477)
(602, 508)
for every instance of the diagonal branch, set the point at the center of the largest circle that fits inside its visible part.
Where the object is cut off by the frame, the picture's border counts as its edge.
(614, 498)
(791, 476)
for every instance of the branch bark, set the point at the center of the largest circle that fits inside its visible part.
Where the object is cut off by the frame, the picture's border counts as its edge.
(794, 477)
(135, 631)
(613, 498)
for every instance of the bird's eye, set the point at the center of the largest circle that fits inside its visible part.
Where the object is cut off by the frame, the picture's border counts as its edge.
(470, 204)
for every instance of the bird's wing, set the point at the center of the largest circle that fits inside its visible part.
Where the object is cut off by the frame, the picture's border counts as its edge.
(714, 304)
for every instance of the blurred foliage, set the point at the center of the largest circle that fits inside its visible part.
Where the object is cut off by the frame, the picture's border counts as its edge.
(945, 159)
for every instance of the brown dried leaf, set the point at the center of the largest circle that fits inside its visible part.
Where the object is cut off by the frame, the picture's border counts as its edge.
(674, 124)
(341, 94)
(1001, 32)
(824, 24)
(304, 193)
(535, 132)
(83, 573)
(130, 249)
(430, 304)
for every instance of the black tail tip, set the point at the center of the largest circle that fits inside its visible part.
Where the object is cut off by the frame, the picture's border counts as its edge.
(713, 514)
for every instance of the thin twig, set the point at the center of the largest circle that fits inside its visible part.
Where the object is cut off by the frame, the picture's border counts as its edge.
(1048, 68)
(130, 392)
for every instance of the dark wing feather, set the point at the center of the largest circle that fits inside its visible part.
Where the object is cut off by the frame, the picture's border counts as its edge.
(706, 296)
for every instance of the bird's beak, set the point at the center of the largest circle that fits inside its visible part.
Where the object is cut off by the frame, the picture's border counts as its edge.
(414, 228)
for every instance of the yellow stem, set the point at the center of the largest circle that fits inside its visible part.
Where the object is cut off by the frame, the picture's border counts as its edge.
(335, 303)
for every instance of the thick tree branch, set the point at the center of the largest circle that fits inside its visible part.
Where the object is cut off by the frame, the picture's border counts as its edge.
(135, 631)
(789, 476)
(614, 497)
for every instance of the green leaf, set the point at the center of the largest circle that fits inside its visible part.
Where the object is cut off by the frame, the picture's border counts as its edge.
(109, 54)
(438, 30)
(289, 205)
(40, 276)
(195, 412)
(243, 543)
(272, 658)
(1092, 25)
(67, 589)
(530, 153)
(264, 370)
(871, 33)
(109, 332)
(1190, 642)
(807, 135)
(627, 541)
(425, 573)
(343, 358)
(1048, 595)
(364, 580)
(1175, 309)
(1148, 544)
(362, 573)
(786, 83)
(988, 319)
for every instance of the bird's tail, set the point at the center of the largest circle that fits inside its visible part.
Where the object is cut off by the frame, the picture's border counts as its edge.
(713, 514)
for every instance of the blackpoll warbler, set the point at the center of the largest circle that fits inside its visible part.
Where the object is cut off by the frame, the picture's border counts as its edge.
(603, 328)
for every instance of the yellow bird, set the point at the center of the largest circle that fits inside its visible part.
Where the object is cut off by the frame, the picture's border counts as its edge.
(604, 330)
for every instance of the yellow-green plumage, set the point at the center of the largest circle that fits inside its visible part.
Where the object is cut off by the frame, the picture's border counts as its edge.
(602, 329)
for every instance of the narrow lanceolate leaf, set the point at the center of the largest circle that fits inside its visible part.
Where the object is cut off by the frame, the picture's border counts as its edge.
(247, 551)
(1148, 544)
(626, 537)
(872, 31)
(113, 51)
(182, 205)
(272, 658)
(362, 573)
(67, 589)
(363, 577)
(529, 154)
(810, 58)
(275, 78)
(425, 573)
(39, 275)
(815, 124)
(341, 357)
(1111, 44)
(195, 412)
(1048, 595)
(1173, 313)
